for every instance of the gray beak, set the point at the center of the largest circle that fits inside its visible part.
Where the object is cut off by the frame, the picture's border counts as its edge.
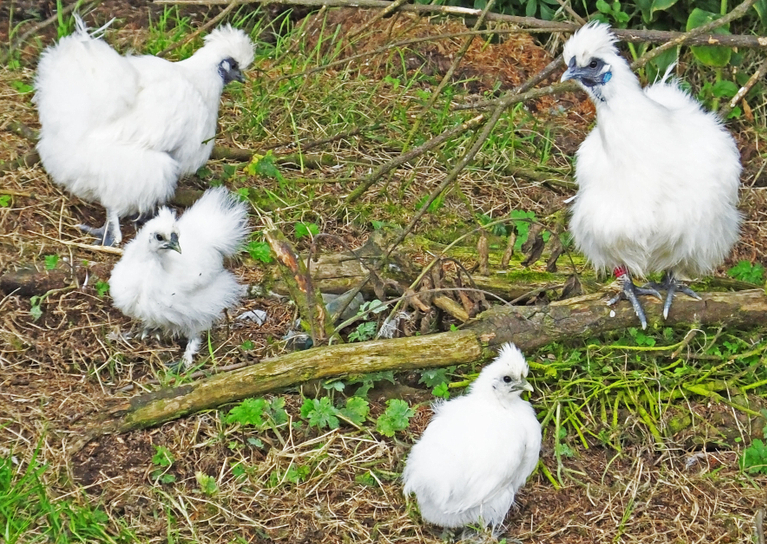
(569, 74)
(521, 385)
(572, 72)
(525, 386)
(172, 243)
(236, 75)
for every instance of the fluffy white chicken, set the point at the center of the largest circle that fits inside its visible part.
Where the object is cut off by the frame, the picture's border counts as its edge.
(478, 449)
(183, 294)
(657, 177)
(122, 130)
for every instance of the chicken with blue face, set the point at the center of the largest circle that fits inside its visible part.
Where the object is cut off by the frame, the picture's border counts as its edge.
(658, 176)
(121, 130)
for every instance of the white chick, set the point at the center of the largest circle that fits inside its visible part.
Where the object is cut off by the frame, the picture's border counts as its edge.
(122, 130)
(183, 294)
(478, 449)
(657, 177)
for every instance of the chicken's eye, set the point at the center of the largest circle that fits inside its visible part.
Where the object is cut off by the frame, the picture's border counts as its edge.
(507, 379)
(593, 64)
(158, 237)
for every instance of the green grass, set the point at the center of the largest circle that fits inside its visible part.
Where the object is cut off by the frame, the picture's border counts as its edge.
(29, 512)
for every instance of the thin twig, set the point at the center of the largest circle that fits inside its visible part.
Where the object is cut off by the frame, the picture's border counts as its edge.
(378, 16)
(510, 99)
(89, 247)
(625, 34)
(199, 31)
(449, 74)
(411, 41)
(743, 91)
(686, 37)
(405, 157)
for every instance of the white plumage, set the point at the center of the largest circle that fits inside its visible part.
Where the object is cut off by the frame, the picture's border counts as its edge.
(121, 130)
(478, 449)
(657, 177)
(182, 294)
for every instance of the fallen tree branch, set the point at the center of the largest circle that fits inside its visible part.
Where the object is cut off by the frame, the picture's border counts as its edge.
(528, 327)
(628, 35)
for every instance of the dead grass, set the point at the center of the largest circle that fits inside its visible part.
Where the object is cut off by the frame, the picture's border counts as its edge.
(61, 368)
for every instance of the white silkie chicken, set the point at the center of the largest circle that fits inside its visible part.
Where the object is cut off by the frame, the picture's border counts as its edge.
(478, 449)
(183, 294)
(657, 177)
(122, 130)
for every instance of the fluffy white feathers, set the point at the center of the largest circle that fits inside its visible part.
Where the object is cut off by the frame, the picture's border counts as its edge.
(171, 276)
(121, 130)
(478, 449)
(658, 176)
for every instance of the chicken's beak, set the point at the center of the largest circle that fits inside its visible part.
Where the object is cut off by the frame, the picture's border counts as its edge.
(235, 74)
(526, 386)
(571, 72)
(172, 243)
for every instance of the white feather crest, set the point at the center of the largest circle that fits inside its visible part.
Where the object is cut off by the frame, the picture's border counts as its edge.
(592, 40)
(232, 42)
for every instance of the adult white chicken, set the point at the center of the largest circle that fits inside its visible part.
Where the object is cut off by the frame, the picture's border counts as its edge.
(478, 449)
(657, 177)
(183, 294)
(122, 130)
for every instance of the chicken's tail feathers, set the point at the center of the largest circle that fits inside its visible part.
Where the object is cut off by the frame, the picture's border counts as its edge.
(218, 219)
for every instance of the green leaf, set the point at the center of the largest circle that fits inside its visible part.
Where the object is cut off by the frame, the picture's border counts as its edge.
(747, 271)
(356, 410)
(51, 261)
(102, 288)
(35, 311)
(442, 391)
(162, 457)
(5, 201)
(249, 412)
(207, 483)
(259, 251)
(263, 165)
(761, 10)
(708, 54)
(320, 413)
(21, 87)
(306, 229)
(395, 418)
(434, 376)
(754, 458)
(277, 411)
(724, 89)
(603, 6)
(523, 227)
(364, 331)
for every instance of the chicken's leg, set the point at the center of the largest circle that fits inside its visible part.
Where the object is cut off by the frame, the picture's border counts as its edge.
(671, 285)
(631, 293)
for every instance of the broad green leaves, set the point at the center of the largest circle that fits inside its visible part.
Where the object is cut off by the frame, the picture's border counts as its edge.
(707, 54)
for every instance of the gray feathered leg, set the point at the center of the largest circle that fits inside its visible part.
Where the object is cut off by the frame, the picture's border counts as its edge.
(631, 293)
(109, 234)
(671, 285)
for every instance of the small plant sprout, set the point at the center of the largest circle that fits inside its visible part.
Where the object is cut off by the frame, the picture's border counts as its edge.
(162, 459)
(747, 271)
(51, 261)
(395, 418)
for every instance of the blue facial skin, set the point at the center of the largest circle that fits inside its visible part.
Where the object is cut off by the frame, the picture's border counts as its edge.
(590, 75)
(229, 71)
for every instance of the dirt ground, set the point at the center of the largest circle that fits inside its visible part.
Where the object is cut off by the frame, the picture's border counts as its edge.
(60, 370)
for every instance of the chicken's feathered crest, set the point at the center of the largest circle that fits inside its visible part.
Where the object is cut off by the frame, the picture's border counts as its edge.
(592, 40)
(229, 41)
(509, 362)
